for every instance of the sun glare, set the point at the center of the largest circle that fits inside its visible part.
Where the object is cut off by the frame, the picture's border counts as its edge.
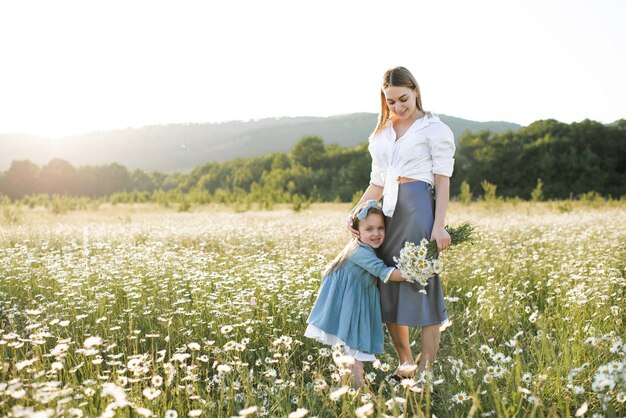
(68, 72)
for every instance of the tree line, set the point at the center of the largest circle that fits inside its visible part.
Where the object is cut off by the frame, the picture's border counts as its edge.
(563, 160)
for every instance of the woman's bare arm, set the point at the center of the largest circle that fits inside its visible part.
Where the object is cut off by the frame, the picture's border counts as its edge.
(442, 196)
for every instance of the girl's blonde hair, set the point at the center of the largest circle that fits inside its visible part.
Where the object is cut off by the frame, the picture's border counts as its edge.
(354, 242)
(398, 77)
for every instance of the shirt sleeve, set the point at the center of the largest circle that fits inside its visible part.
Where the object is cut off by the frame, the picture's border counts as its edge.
(367, 260)
(376, 176)
(442, 149)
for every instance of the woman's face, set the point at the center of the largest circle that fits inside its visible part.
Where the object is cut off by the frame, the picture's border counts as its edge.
(401, 101)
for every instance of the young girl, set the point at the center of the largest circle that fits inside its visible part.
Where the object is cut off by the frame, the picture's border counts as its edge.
(347, 310)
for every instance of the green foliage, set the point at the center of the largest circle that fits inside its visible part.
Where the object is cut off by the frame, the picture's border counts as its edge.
(184, 206)
(592, 197)
(489, 190)
(466, 194)
(545, 160)
(570, 158)
(464, 233)
(298, 203)
(564, 206)
(514, 201)
(58, 206)
(309, 152)
(21, 179)
(11, 215)
(58, 177)
(489, 194)
(142, 181)
(356, 197)
(537, 194)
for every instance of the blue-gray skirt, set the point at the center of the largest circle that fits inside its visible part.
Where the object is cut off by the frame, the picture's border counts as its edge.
(413, 219)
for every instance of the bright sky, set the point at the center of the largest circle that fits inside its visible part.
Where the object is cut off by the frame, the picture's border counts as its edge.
(75, 66)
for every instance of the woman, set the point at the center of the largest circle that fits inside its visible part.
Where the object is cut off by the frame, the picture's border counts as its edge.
(412, 153)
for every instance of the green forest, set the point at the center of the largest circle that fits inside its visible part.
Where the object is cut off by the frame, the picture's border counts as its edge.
(545, 160)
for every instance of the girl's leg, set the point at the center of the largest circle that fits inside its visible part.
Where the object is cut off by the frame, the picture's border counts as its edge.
(430, 345)
(357, 373)
(400, 336)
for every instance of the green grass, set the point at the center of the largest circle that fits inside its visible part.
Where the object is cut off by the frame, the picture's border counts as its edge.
(208, 307)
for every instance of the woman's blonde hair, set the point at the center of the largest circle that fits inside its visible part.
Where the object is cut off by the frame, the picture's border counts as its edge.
(354, 242)
(398, 77)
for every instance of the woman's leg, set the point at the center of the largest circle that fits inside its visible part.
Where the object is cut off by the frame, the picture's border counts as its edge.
(400, 336)
(430, 346)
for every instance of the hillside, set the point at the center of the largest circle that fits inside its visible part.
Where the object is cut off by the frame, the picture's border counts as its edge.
(181, 147)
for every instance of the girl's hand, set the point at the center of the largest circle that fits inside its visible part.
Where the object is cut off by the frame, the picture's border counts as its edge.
(442, 237)
(349, 227)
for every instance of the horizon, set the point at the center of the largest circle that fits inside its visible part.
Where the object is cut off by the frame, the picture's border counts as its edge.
(185, 145)
(199, 62)
(227, 122)
(262, 119)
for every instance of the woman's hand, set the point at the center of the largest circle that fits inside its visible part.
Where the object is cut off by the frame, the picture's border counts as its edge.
(372, 192)
(442, 237)
(349, 227)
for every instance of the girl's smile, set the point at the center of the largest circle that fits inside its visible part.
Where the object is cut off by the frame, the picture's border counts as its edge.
(372, 230)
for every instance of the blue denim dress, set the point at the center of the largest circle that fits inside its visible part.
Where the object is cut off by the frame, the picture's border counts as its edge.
(348, 303)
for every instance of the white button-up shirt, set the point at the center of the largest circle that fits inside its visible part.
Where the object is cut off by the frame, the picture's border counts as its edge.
(427, 148)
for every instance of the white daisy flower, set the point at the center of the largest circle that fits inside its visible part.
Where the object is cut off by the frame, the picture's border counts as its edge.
(460, 397)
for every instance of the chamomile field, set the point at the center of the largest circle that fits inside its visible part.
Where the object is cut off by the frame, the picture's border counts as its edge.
(144, 311)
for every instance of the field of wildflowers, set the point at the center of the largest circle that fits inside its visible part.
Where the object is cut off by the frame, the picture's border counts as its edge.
(144, 311)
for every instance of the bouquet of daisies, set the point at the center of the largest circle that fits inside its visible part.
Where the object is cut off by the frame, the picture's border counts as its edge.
(420, 262)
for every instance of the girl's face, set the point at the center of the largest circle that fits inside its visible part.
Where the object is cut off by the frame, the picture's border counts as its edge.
(401, 101)
(372, 230)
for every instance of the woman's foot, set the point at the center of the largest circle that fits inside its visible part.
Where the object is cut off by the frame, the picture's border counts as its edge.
(405, 371)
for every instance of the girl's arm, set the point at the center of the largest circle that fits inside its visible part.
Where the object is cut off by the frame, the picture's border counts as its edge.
(368, 261)
(442, 195)
(396, 276)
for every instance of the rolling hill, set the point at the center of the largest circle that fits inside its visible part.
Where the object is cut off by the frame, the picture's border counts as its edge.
(181, 147)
